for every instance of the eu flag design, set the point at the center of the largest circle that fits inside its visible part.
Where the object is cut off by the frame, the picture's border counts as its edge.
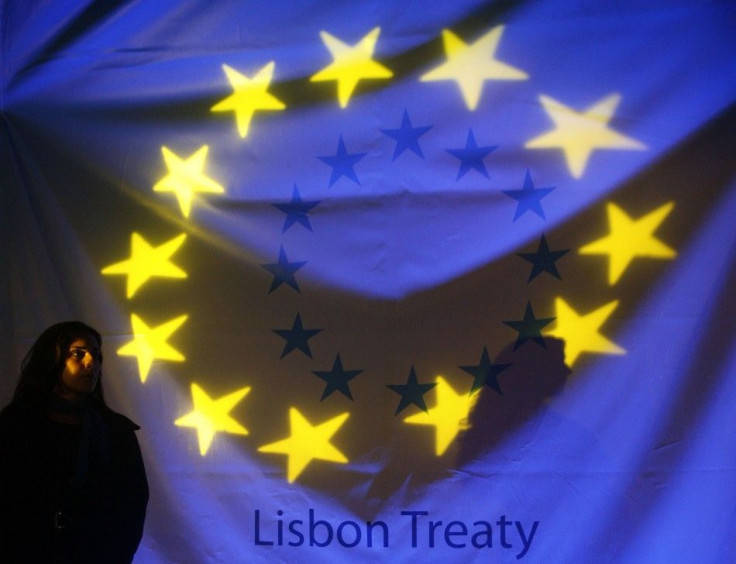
(391, 281)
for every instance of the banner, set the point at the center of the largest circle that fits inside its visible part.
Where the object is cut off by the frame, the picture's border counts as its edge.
(390, 281)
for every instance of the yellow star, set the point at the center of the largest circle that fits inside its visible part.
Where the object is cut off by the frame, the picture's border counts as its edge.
(186, 178)
(578, 134)
(471, 65)
(212, 415)
(449, 416)
(351, 64)
(249, 95)
(581, 332)
(629, 239)
(147, 261)
(307, 442)
(149, 343)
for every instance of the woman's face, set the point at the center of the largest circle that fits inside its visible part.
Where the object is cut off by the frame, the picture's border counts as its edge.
(81, 369)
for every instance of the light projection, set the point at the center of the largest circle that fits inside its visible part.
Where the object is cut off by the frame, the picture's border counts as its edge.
(630, 238)
(308, 442)
(578, 134)
(249, 95)
(471, 65)
(147, 261)
(186, 178)
(582, 332)
(448, 416)
(401, 271)
(351, 64)
(210, 416)
(151, 343)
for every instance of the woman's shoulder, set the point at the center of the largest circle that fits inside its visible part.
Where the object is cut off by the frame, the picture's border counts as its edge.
(118, 421)
(21, 424)
(20, 413)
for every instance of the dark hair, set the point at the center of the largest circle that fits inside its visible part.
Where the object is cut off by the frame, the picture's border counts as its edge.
(42, 366)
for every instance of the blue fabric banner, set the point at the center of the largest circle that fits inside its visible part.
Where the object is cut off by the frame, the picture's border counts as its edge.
(390, 281)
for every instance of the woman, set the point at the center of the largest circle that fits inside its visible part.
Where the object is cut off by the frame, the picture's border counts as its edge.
(72, 483)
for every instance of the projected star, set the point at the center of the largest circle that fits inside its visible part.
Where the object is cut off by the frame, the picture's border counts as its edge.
(543, 260)
(186, 178)
(629, 239)
(448, 417)
(407, 137)
(337, 379)
(342, 163)
(210, 416)
(411, 393)
(470, 65)
(283, 271)
(529, 328)
(150, 343)
(581, 333)
(485, 373)
(308, 442)
(297, 211)
(578, 134)
(297, 338)
(529, 198)
(351, 64)
(147, 261)
(471, 157)
(249, 95)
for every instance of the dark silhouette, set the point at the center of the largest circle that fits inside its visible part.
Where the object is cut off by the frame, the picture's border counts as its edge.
(535, 375)
(72, 483)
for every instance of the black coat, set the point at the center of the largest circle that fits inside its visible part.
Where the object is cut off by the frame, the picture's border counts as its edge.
(52, 509)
